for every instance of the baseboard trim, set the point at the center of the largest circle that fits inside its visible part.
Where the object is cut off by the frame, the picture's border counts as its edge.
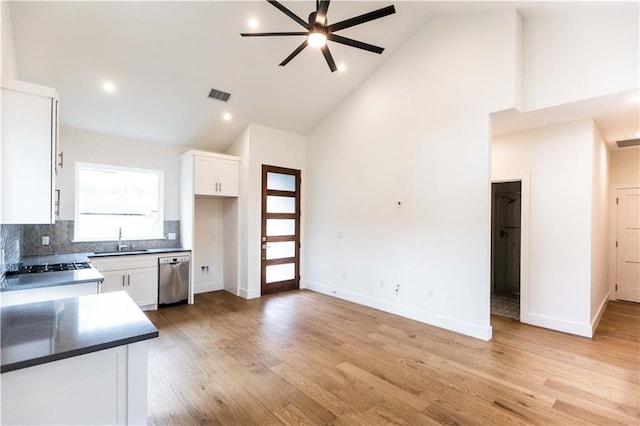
(598, 317)
(248, 294)
(559, 324)
(448, 323)
(207, 287)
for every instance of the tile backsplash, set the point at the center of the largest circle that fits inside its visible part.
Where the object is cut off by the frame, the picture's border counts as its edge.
(11, 246)
(61, 239)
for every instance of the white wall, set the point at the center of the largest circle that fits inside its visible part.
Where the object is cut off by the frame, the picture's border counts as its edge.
(259, 145)
(599, 228)
(559, 160)
(85, 146)
(417, 132)
(8, 68)
(584, 54)
(625, 166)
(208, 245)
(241, 148)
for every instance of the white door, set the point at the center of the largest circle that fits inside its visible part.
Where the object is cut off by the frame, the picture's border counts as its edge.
(205, 176)
(113, 281)
(228, 177)
(142, 285)
(628, 252)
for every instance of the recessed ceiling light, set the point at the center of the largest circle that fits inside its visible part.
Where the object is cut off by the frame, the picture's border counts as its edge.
(226, 116)
(342, 67)
(253, 23)
(108, 86)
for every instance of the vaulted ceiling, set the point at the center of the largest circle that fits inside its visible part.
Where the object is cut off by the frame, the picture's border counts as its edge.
(164, 57)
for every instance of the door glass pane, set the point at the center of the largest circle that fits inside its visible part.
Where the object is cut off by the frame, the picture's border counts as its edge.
(281, 204)
(281, 250)
(281, 182)
(277, 273)
(281, 227)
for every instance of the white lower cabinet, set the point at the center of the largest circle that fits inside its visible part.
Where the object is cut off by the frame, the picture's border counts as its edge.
(135, 274)
(107, 387)
(140, 283)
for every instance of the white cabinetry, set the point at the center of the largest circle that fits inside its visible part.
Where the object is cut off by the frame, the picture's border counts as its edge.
(135, 274)
(106, 387)
(215, 175)
(29, 138)
(209, 189)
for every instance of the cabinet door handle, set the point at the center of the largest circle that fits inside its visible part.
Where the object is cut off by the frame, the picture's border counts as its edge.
(123, 281)
(220, 184)
(128, 280)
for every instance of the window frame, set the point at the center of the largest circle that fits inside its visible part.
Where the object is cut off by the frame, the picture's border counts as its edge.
(110, 167)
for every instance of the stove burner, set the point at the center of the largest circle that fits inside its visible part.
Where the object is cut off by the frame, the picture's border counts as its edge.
(53, 267)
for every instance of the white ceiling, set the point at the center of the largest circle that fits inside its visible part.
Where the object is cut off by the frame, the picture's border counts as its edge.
(164, 57)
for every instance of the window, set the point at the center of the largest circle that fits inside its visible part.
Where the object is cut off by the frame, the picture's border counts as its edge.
(110, 198)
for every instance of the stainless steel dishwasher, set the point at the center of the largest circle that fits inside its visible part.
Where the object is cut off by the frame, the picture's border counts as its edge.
(173, 280)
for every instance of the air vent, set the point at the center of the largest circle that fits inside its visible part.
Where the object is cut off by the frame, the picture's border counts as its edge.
(628, 143)
(219, 95)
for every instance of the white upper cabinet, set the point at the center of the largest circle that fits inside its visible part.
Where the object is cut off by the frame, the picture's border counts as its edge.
(214, 174)
(29, 143)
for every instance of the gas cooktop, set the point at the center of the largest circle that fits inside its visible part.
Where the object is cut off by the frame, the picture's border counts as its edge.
(49, 267)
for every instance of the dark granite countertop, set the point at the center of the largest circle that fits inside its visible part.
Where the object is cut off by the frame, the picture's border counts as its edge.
(135, 252)
(55, 258)
(49, 279)
(38, 333)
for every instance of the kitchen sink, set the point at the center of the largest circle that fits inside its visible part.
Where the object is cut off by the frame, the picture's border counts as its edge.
(126, 251)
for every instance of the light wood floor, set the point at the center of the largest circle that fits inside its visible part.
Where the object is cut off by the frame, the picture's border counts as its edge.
(304, 358)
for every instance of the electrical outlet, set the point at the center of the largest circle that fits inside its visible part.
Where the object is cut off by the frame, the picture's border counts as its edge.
(172, 235)
(397, 290)
(429, 294)
(340, 235)
(344, 275)
(381, 283)
(45, 240)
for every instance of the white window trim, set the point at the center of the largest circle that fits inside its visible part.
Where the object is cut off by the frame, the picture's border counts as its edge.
(160, 173)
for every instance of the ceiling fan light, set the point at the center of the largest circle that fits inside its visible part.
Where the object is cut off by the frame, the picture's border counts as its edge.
(317, 39)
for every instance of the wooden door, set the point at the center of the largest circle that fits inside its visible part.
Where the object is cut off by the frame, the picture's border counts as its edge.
(628, 242)
(280, 241)
(506, 214)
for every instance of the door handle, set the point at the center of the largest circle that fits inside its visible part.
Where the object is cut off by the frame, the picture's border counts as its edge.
(502, 233)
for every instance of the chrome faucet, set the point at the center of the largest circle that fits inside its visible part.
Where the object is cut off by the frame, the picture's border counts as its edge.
(120, 245)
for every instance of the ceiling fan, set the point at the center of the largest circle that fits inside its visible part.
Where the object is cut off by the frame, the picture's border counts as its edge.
(318, 30)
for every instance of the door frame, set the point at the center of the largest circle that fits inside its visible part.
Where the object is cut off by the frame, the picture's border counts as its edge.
(613, 235)
(289, 284)
(525, 235)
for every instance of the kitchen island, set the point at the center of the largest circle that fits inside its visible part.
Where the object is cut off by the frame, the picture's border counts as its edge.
(81, 360)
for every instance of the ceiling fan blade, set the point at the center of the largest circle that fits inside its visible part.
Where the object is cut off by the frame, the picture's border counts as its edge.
(321, 11)
(329, 58)
(355, 43)
(294, 54)
(301, 33)
(357, 20)
(289, 13)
